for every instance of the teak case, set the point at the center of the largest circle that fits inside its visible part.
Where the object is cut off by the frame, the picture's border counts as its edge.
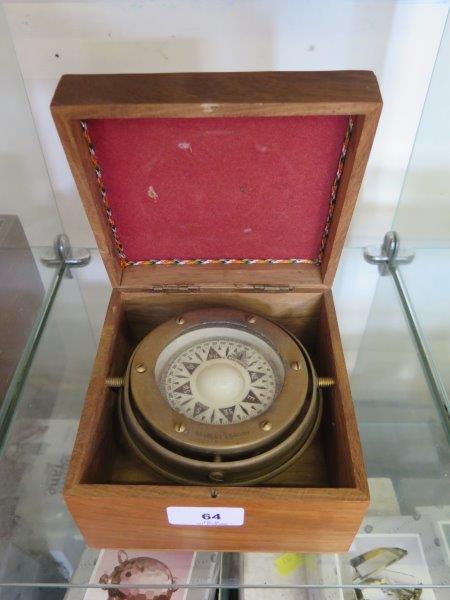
(317, 504)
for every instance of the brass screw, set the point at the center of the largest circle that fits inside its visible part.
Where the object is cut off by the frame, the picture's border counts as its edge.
(141, 368)
(180, 427)
(216, 476)
(295, 366)
(325, 382)
(266, 425)
(251, 319)
(115, 382)
(180, 321)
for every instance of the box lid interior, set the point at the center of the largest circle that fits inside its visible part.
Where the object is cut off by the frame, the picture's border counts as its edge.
(244, 193)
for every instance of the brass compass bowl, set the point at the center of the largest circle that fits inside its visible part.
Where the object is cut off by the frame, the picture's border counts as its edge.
(217, 395)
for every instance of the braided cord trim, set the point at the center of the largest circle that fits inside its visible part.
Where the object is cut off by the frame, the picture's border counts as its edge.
(98, 174)
(334, 189)
(124, 262)
(225, 261)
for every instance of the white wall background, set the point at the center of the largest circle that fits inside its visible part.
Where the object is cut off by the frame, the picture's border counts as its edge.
(25, 189)
(423, 216)
(398, 40)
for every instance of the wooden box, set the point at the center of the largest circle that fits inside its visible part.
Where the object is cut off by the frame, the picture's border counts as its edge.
(200, 188)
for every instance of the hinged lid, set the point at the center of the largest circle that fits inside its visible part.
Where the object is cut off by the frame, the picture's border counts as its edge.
(186, 287)
(223, 180)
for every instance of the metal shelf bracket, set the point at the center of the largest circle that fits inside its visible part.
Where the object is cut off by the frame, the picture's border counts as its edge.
(390, 256)
(62, 254)
(387, 263)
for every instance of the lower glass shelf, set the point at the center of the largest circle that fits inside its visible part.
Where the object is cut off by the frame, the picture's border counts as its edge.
(406, 531)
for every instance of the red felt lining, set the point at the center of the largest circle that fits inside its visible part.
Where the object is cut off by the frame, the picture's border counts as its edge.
(253, 188)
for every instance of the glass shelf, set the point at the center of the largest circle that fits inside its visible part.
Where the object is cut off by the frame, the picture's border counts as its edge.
(423, 221)
(406, 453)
(427, 279)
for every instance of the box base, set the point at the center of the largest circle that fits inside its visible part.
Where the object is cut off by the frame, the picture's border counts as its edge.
(316, 505)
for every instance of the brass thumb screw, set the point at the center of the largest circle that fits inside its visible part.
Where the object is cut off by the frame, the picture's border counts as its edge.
(115, 382)
(326, 382)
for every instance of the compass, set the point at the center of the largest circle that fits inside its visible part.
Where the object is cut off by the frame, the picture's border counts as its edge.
(218, 395)
(227, 377)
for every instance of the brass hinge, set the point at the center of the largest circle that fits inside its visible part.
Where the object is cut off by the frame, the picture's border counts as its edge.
(246, 287)
(174, 288)
(266, 287)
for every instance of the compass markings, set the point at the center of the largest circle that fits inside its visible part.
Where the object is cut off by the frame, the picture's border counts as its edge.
(239, 355)
(260, 377)
(251, 398)
(190, 366)
(199, 408)
(212, 354)
(255, 375)
(184, 389)
(228, 412)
